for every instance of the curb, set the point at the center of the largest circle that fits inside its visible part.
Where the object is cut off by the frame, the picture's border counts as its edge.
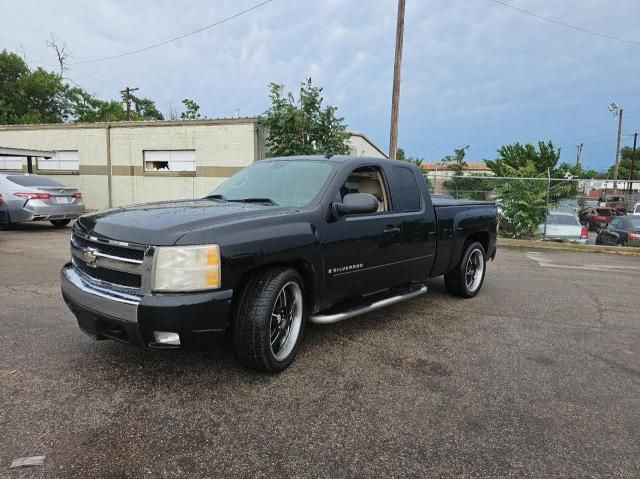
(579, 248)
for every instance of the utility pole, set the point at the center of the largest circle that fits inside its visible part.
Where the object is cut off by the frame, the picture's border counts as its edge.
(395, 97)
(579, 154)
(615, 170)
(126, 96)
(633, 162)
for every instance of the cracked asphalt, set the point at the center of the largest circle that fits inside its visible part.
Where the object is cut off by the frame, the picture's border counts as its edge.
(539, 376)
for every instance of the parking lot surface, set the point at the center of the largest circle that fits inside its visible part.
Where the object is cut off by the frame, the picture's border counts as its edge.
(538, 376)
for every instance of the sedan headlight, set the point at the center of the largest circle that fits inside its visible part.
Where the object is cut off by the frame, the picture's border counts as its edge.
(187, 268)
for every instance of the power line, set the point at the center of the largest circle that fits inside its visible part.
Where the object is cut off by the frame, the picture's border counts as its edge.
(155, 45)
(566, 25)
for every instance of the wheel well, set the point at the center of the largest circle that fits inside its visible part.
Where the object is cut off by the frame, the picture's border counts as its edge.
(481, 237)
(303, 267)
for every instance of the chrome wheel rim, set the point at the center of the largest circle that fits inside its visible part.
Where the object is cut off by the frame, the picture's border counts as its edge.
(474, 270)
(286, 320)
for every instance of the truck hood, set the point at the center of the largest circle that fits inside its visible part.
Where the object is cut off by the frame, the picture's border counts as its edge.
(163, 223)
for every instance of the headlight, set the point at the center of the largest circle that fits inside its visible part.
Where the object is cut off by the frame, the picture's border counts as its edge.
(187, 268)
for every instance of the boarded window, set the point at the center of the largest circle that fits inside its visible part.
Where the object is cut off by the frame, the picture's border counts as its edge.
(12, 162)
(63, 160)
(169, 160)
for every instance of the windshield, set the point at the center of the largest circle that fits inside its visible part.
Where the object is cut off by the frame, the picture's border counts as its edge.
(32, 180)
(562, 220)
(286, 183)
(634, 222)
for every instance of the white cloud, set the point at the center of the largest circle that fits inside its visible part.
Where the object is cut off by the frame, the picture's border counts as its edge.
(473, 72)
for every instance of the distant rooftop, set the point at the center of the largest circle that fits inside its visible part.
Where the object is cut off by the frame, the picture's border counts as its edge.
(471, 166)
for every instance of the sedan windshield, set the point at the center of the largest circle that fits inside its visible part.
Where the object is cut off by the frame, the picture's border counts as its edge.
(285, 183)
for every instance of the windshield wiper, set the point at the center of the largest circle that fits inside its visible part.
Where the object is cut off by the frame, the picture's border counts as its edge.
(217, 196)
(268, 201)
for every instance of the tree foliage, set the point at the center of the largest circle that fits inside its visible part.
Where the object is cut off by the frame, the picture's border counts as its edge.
(38, 96)
(624, 167)
(301, 126)
(29, 96)
(456, 161)
(192, 110)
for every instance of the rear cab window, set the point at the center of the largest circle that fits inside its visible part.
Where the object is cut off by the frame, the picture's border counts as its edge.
(405, 192)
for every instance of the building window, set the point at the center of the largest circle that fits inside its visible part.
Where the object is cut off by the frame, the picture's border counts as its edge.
(63, 160)
(170, 161)
(11, 163)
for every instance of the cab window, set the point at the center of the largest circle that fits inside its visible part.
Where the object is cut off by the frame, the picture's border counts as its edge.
(366, 179)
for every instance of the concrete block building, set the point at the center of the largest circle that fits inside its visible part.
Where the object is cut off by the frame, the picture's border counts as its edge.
(122, 163)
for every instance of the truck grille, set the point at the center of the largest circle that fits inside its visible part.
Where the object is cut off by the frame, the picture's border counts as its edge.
(118, 278)
(120, 251)
(116, 264)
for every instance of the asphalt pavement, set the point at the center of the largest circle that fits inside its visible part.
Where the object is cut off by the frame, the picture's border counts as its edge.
(538, 376)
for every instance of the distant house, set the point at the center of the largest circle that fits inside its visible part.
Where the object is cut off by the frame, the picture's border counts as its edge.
(473, 168)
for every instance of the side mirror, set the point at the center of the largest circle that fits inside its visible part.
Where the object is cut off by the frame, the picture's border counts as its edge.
(355, 204)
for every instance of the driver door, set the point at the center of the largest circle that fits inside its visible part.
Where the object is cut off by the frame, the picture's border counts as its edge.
(362, 252)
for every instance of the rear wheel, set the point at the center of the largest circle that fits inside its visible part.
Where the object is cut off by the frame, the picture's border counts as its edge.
(466, 279)
(60, 223)
(270, 321)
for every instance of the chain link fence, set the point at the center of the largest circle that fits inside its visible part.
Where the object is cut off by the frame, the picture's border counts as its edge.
(548, 208)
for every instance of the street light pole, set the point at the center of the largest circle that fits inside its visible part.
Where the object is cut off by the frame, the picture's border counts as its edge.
(395, 98)
(615, 170)
(633, 162)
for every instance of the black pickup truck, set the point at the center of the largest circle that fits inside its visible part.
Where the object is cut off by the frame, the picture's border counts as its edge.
(282, 242)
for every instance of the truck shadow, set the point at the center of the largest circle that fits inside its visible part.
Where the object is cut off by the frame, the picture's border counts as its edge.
(126, 366)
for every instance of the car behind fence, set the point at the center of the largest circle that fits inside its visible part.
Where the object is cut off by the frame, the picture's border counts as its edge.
(550, 208)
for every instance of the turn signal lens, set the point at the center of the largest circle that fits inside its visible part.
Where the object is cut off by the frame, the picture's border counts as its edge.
(77, 196)
(187, 268)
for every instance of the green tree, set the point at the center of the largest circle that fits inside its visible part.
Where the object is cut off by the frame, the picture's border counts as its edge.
(88, 109)
(456, 162)
(524, 201)
(145, 109)
(624, 168)
(192, 111)
(517, 157)
(301, 126)
(28, 96)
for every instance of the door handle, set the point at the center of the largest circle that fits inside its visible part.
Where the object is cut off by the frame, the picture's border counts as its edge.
(391, 229)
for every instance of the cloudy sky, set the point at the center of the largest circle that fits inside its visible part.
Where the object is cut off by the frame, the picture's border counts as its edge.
(474, 72)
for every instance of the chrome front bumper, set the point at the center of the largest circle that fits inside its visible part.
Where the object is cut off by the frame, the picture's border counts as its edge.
(106, 302)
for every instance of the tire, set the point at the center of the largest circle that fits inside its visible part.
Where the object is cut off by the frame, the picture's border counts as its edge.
(474, 262)
(6, 225)
(270, 320)
(60, 223)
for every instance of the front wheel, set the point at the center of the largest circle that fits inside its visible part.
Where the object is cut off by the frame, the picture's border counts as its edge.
(466, 279)
(270, 321)
(60, 223)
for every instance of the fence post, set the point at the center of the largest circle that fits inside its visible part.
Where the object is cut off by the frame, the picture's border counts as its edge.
(546, 209)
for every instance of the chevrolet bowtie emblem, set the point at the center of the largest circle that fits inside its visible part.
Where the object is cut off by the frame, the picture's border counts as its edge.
(89, 256)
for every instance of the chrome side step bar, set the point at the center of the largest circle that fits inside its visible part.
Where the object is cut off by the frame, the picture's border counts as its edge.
(355, 311)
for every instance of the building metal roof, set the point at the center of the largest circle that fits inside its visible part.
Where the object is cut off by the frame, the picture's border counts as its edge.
(4, 151)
